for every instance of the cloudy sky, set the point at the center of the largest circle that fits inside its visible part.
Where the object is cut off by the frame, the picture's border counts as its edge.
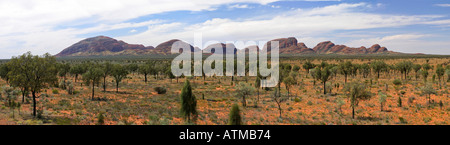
(39, 26)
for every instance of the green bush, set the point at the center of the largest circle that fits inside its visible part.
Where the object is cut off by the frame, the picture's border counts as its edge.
(397, 82)
(55, 91)
(160, 90)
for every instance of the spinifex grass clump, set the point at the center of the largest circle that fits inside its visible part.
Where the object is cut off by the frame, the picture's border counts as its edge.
(235, 116)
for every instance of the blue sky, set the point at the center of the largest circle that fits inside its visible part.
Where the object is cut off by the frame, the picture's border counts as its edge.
(39, 26)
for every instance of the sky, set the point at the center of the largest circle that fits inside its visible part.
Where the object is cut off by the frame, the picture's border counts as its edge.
(410, 26)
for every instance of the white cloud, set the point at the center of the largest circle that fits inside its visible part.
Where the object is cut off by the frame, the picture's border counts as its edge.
(274, 6)
(442, 5)
(309, 23)
(31, 25)
(407, 43)
(239, 6)
(35, 25)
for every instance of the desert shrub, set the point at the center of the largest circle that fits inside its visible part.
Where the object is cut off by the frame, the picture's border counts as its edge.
(64, 103)
(402, 92)
(402, 120)
(298, 99)
(399, 102)
(397, 82)
(411, 100)
(40, 113)
(62, 85)
(100, 119)
(310, 103)
(100, 99)
(55, 91)
(160, 90)
(235, 116)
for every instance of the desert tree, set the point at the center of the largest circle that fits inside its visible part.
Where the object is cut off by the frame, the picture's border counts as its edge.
(11, 95)
(107, 68)
(20, 80)
(76, 70)
(278, 99)
(188, 102)
(4, 70)
(404, 67)
(447, 72)
(365, 70)
(424, 74)
(118, 72)
(92, 76)
(440, 71)
(146, 69)
(169, 73)
(356, 92)
(243, 90)
(258, 85)
(235, 116)
(378, 67)
(313, 72)
(296, 68)
(345, 68)
(427, 66)
(288, 82)
(354, 69)
(308, 65)
(64, 69)
(132, 68)
(428, 90)
(382, 100)
(39, 71)
(323, 74)
(416, 68)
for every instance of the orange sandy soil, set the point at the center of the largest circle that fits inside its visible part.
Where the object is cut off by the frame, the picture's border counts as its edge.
(137, 102)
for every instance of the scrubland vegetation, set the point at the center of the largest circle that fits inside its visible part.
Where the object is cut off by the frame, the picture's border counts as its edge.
(317, 91)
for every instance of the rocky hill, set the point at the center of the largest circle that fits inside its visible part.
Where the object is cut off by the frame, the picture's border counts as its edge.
(105, 46)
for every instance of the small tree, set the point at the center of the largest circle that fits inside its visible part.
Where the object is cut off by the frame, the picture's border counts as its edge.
(4, 70)
(119, 73)
(440, 71)
(288, 82)
(323, 74)
(424, 74)
(188, 102)
(243, 90)
(356, 92)
(404, 67)
(76, 70)
(345, 69)
(378, 66)
(107, 68)
(428, 90)
(416, 68)
(39, 71)
(146, 69)
(258, 85)
(92, 77)
(447, 72)
(100, 119)
(235, 116)
(63, 71)
(278, 99)
(382, 100)
(307, 66)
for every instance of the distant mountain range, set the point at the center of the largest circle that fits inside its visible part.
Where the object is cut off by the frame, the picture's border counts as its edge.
(107, 46)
